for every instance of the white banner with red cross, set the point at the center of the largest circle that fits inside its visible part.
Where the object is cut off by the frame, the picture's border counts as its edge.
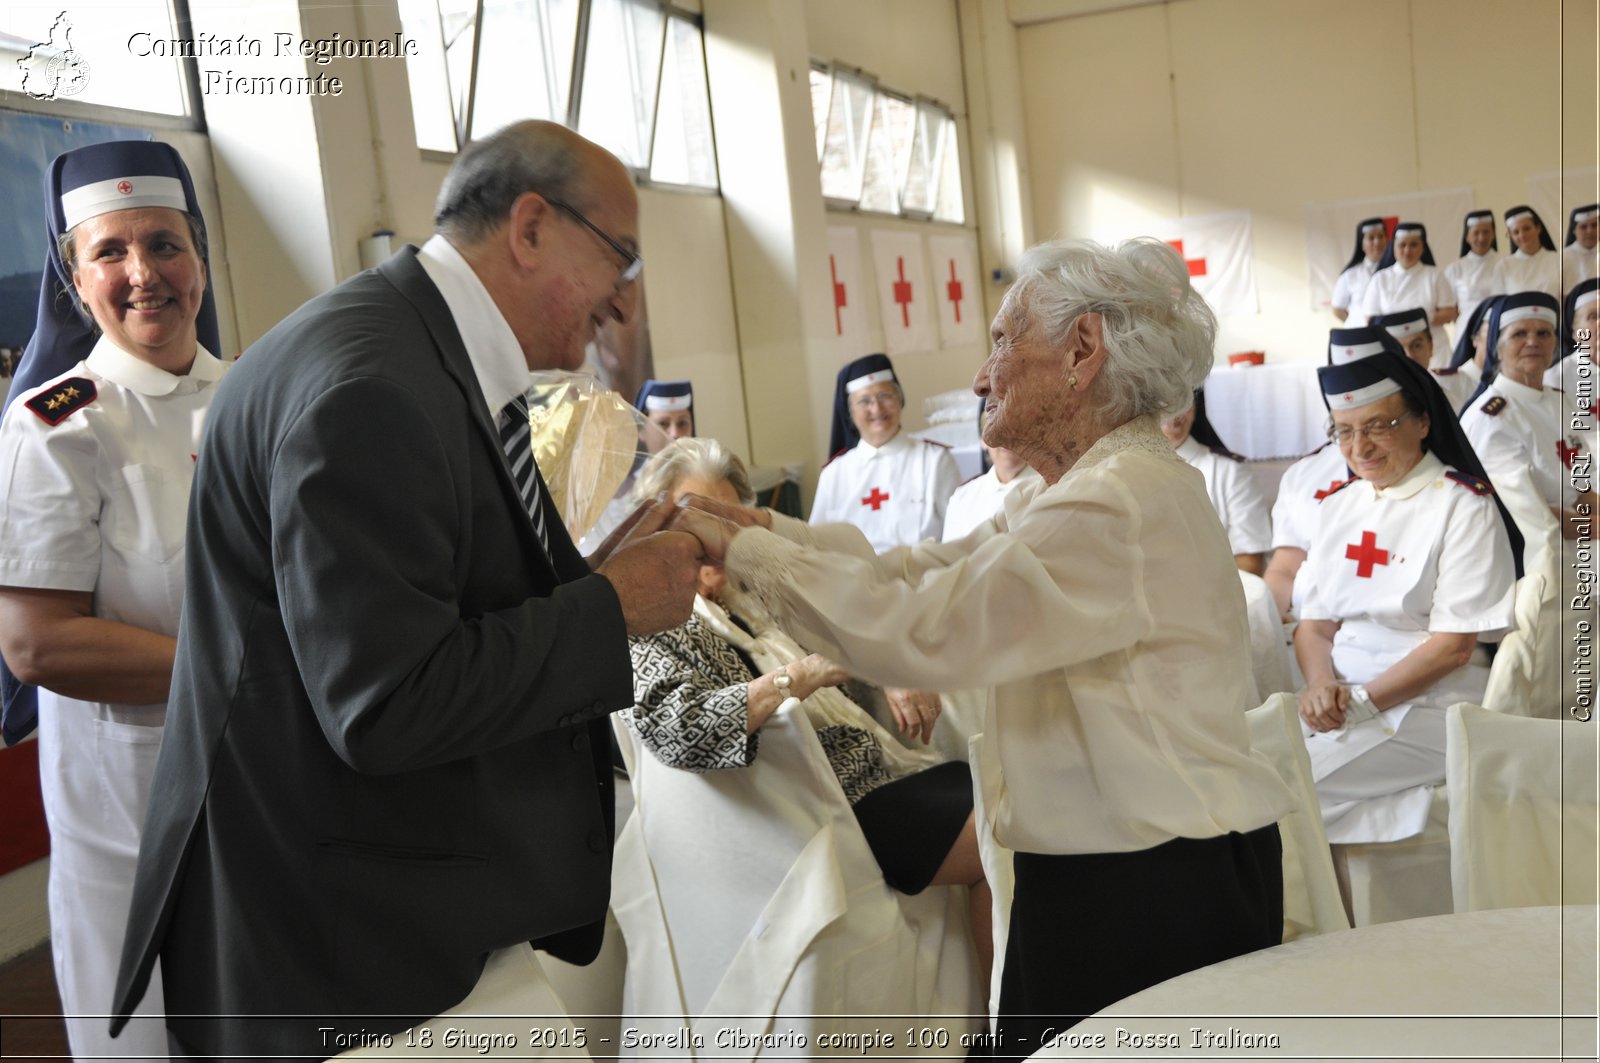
(1331, 231)
(847, 291)
(1218, 250)
(954, 260)
(901, 281)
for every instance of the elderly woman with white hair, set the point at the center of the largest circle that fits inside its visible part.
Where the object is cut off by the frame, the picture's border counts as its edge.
(1102, 610)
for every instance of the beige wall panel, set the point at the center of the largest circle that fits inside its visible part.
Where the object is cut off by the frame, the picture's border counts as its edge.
(909, 45)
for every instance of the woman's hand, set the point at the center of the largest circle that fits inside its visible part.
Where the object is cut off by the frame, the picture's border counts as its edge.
(743, 516)
(1323, 706)
(915, 711)
(814, 672)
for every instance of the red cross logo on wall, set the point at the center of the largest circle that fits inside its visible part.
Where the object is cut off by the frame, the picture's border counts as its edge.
(838, 296)
(875, 500)
(1366, 555)
(1197, 266)
(952, 291)
(1325, 492)
(1566, 452)
(902, 295)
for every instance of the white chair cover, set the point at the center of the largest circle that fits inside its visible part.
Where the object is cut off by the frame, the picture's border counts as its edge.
(755, 916)
(1384, 882)
(1523, 810)
(513, 1011)
(1525, 678)
(1311, 902)
(998, 871)
(1269, 657)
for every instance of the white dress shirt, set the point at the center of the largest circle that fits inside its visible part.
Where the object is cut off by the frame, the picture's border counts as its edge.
(1397, 288)
(1350, 289)
(1539, 272)
(1471, 277)
(896, 494)
(1234, 494)
(1578, 264)
(1105, 615)
(979, 499)
(496, 356)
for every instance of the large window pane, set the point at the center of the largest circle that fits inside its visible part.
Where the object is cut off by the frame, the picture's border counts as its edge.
(888, 153)
(844, 150)
(821, 94)
(685, 152)
(456, 20)
(620, 68)
(524, 62)
(923, 171)
(117, 53)
(431, 111)
(949, 206)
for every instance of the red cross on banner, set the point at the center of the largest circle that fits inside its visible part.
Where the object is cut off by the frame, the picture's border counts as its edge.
(1366, 555)
(902, 292)
(952, 290)
(1197, 266)
(1326, 491)
(1566, 451)
(876, 500)
(839, 301)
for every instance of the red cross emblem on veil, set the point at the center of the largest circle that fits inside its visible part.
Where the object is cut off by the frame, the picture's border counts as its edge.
(125, 187)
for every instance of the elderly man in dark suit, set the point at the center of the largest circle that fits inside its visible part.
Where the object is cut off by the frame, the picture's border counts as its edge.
(387, 746)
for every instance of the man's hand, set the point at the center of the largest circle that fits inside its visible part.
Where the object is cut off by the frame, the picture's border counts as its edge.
(714, 532)
(656, 578)
(646, 519)
(914, 711)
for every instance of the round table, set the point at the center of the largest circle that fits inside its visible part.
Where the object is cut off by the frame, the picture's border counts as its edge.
(1505, 983)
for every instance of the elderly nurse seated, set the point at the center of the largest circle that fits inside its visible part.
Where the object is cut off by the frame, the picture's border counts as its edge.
(1412, 565)
(704, 689)
(1102, 611)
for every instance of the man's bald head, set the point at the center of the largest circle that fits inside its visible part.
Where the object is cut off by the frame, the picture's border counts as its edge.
(489, 175)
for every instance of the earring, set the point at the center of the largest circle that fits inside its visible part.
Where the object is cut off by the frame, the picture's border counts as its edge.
(1072, 381)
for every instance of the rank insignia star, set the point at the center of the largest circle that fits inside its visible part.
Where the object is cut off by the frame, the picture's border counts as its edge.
(57, 404)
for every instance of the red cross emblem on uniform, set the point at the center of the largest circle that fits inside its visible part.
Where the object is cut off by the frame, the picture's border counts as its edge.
(125, 187)
(1566, 452)
(875, 500)
(1366, 555)
(1326, 491)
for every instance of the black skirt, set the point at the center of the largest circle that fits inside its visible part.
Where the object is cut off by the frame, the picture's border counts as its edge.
(911, 823)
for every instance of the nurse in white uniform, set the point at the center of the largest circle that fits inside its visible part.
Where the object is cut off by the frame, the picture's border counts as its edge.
(1410, 329)
(1472, 275)
(1407, 278)
(1314, 477)
(1231, 486)
(1576, 375)
(981, 497)
(1524, 431)
(1412, 565)
(1533, 265)
(97, 465)
(891, 485)
(1581, 255)
(1372, 240)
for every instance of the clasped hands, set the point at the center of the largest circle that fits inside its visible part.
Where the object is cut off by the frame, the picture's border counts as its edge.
(1324, 705)
(653, 558)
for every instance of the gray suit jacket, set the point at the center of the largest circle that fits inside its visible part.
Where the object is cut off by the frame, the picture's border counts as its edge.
(386, 745)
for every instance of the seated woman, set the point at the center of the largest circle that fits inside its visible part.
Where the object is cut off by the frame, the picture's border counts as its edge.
(1411, 565)
(703, 691)
(1232, 487)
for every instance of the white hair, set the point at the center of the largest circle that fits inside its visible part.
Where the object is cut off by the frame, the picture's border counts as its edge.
(692, 457)
(1157, 330)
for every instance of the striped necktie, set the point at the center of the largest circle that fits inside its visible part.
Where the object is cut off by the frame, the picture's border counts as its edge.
(517, 439)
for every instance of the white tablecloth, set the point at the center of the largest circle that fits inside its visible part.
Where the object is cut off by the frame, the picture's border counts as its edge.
(1267, 411)
(1500, 984)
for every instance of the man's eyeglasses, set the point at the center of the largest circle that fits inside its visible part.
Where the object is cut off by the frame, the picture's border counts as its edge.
(635, 264)
(1377, 431)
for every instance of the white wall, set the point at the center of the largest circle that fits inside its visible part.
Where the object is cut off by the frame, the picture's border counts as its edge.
(1195, 106)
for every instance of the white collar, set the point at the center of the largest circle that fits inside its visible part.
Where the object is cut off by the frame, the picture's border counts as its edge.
(496, 356)
(137, 375)
(1141, 433)
(894, 442)
(1423, 473)
(1520, 253)
(1191, 450)
(1515, 391)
